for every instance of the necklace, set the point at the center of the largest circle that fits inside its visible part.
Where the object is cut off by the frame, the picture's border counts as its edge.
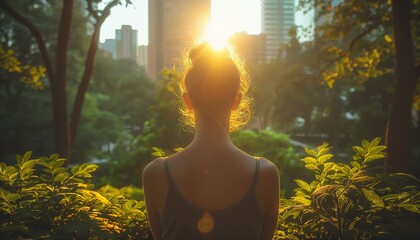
(206, 223)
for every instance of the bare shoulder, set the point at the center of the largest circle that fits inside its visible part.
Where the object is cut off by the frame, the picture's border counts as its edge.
(268, 187)
(155, 185)
(268, 171)
(154, 170)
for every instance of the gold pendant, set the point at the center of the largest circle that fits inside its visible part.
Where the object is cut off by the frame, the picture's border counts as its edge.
(206, 223)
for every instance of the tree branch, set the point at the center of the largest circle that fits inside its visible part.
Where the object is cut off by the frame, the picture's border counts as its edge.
(92, 11)
(363, 33)
(35, 33)
(352, 44)
(87, 74)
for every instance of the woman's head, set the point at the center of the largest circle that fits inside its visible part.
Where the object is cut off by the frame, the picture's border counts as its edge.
(216, 85)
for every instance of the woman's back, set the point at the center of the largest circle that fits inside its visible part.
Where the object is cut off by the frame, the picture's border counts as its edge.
(213, 202)
(211, 189)
(210, 180)
(226, 196)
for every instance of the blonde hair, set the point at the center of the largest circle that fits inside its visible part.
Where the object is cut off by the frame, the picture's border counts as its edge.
(206, 63)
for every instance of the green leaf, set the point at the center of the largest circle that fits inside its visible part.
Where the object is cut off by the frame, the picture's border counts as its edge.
(26, 156)
(12, 197)
(373, 158)
(311, 152)
(355, 164)
(374, 143)
(329, 166)
(304, 185)
(53, 157)
(3, 166)
(302, 200)
(359, 150)
(157, 152)
(43, 163)
(415, 208)
(309, 160)
(373, 197)
(325, 157)
(58, 170)
(29, 164)
(314, 185)
(365, 144)
(61, 177)
(311, 166)
(75, 170)
(57, 163)
(178, 149)
(323, 149)
(91, 167)
(376, 149)
(97, 195)
(19, 159)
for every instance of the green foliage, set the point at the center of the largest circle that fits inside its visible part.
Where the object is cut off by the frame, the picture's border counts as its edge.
(30, 75)
(349, 201)
(40, 199)
(109, 117)
(267, 143)
(162, 128)
(274, 146)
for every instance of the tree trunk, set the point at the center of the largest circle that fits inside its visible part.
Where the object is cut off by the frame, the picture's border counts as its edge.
(87, 74)
(81, 92)
(58, 84)
(398, 133)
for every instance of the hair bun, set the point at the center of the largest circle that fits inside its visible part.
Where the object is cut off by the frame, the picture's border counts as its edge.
(205, 53)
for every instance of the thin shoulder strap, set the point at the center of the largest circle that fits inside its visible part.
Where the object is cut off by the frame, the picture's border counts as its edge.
(168, 175)
(257, 170)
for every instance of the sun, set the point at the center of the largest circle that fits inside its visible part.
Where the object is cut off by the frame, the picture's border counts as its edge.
(217, 34)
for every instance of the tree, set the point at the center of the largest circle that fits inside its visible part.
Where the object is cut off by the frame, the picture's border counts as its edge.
(56, 68)
(357, 36)
(399, 127)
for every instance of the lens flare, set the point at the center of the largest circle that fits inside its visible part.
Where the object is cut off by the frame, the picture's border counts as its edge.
(217, 36)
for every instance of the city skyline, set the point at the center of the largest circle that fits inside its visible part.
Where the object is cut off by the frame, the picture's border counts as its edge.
(245, 18)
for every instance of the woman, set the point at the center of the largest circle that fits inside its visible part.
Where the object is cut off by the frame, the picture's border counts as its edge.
(212, 189)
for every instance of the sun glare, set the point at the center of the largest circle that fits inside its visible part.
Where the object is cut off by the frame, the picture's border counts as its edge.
(217, 36)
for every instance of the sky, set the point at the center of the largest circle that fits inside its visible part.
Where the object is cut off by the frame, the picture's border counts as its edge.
(236, 15)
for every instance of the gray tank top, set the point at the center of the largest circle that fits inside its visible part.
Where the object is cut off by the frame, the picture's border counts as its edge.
(181, 220)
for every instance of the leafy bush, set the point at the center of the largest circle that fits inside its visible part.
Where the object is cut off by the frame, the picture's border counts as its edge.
(40, 199)
(350, 201)
(277, 148)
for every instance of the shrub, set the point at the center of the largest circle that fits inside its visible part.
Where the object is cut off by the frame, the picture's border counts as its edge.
(350, 201)
(277, 148)
(40, 199)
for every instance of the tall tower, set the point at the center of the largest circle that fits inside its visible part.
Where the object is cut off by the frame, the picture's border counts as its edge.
(126, 43)
(173, 27)
(277, 17)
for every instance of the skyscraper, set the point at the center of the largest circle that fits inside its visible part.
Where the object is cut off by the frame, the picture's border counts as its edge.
(277, 17)
(173, 27)
(126, 43)
(110, 46)
(251, 48)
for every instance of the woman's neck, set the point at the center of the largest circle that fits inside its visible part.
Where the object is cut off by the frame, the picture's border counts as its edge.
(211, 136)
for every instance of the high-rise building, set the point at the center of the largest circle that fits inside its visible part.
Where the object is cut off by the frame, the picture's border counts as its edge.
(277, 17)
(173, 27)
(250, 48)
(109, 46)
(126, 43)
(142, 57)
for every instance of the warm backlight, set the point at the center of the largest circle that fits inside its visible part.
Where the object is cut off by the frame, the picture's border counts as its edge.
(217, 35)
